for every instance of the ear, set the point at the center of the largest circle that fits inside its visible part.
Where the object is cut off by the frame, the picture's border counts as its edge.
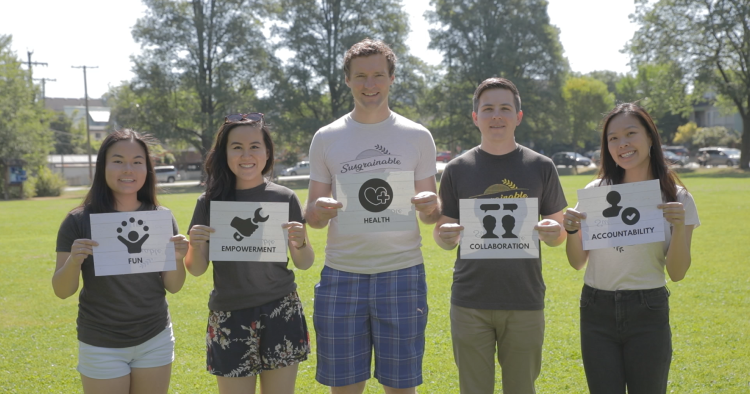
(346, 81)
(520, 116)
(474, 117)
(393, 78)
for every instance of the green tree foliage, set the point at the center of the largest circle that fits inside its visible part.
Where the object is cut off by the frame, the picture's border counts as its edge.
(70, 139)
(310, 90)
(498, 38)
(685, 134)
(23, 123)
(709, 40)
(715, 136)
(586, 99)
(201, 59)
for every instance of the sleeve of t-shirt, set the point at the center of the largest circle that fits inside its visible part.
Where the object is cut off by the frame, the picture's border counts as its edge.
(691, 211)
(200, 214)
(553, 198)
(295, 209)
(427, 165)
(448, 195)
(319, 171)
(67, 234)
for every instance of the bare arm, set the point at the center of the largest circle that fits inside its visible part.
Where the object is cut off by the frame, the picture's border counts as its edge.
(426, 201)
(577, 257)
(678, 255)
(66, 278)
(447, 232)
(196, 260)
(321, 208)
(173, 280)
(302, 256)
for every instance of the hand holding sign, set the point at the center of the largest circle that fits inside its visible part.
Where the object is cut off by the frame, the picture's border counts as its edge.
(81, 249)
(674, 212)
(573, 218)
(180, 246)
(296, 233)
(200, 234)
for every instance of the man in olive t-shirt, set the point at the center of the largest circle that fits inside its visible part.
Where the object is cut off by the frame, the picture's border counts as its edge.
(498, 303)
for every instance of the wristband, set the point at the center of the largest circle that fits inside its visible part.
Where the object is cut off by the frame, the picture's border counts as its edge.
(570, 232)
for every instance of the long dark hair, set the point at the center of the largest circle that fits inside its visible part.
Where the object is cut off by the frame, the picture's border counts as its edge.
(100, 199)
(220, 180)
(614, 174)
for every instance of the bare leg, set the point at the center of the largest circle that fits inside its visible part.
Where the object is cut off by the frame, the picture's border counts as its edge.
(391, 390)
(150, 380)
(279, 381)
(356, 388)
(119, 385)
(243, 385)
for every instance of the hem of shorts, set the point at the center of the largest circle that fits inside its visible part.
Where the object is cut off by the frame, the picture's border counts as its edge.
(369, 271)
(91, 377)
(400, 386)
(331, 382)
(296, 361)
(497, 307)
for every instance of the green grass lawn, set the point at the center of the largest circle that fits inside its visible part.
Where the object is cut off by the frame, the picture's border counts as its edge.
(710, 309)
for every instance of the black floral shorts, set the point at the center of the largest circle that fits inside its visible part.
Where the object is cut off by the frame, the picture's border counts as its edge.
(249, 341)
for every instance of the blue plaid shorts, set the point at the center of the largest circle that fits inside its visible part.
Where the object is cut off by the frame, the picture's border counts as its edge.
(355, 313)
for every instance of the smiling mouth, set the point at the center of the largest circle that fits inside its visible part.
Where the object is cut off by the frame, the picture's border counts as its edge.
(247, 165)
(127, 180)
(627, 154)
(370, 94)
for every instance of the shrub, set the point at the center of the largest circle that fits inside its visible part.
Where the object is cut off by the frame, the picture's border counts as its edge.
(49, 184)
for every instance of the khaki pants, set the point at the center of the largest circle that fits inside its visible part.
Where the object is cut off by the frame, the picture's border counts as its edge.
(518, 338)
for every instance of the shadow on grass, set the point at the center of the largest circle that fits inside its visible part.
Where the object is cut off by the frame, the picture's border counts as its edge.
(712, 173)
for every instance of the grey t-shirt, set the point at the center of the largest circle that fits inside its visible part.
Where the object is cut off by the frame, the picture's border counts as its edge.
(501, 284)
(242, 284)
(120, 310)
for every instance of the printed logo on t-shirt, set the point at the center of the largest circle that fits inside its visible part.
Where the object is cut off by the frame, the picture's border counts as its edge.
(378, 158)
(507, 189)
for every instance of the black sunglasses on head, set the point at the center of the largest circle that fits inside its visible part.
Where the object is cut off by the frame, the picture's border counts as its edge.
(252, 116)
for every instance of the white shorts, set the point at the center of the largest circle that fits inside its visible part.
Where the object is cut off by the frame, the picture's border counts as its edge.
(109, 363)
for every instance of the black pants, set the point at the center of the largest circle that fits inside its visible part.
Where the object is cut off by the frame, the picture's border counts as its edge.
(626, 340)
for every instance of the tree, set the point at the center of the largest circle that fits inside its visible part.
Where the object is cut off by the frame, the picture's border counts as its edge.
(586, 99)
(310, 91)
(715, 136)
(69, 138)
(709, 40)
(201, 60)
(24, 134)
(499, 38)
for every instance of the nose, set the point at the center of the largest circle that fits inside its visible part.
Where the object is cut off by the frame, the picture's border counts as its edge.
(370, 82)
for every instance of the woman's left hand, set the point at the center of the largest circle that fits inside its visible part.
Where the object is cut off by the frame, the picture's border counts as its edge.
(296, 233)
(674, 212)
(180, 246)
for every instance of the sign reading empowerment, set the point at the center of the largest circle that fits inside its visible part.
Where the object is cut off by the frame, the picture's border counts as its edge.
(132, 242)
(376, 202)
(499, 228)
(248, 231)
(621, 215)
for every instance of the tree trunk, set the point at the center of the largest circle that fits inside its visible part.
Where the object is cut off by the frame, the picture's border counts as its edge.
(745, 145)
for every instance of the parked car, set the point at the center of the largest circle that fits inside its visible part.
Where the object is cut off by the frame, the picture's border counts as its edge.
(166, 174)
(678, 150)
(595, 156)
(717, 155)
(301, 168)
(673, 158)
(444, 156)
(566, 159)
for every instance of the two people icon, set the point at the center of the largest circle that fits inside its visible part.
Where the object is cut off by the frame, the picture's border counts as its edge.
(508, 222)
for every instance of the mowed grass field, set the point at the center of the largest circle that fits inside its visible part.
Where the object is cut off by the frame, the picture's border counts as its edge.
(710, 308)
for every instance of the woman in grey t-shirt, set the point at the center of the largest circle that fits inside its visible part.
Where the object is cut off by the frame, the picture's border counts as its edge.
(124, 329)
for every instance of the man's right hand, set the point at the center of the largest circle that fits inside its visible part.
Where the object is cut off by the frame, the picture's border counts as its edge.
(327, 208)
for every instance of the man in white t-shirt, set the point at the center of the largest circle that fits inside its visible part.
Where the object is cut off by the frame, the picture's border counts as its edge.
(372, 292)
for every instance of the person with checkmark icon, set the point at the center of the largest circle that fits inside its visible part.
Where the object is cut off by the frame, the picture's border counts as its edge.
(626, 339)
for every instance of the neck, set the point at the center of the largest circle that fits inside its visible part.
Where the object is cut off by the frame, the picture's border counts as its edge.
(370, 117)
(127, 203)
(243, 185)
(498, 148)
(638, 174)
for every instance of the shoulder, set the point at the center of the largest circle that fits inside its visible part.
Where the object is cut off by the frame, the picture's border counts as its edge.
(596, 183)
(277, 189)
(683, 195)
(530, 156)
(333, 127)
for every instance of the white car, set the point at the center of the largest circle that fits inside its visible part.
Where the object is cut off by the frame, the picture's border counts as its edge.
(301, 168)
(166, 174)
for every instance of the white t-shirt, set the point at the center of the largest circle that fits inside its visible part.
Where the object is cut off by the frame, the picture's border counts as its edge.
(636, 267)
(349, 147)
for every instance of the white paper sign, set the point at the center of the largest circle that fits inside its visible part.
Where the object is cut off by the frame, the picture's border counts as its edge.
(376, 202)
(248, 231)
(621, 215)
(499, 228)
(132, 242)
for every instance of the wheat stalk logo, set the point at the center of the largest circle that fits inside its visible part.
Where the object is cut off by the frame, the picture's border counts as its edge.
(509, 184)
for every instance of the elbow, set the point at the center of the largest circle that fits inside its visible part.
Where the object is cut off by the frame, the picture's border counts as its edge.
(174, 288)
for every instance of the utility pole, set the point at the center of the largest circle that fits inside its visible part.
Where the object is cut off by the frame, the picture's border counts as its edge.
(88, 134)
(44, 94)
(29, 63)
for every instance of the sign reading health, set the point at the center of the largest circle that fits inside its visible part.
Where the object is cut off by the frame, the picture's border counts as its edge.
(376, 202)
(133, 242)
(621, 215)
(248, 231)
(499, 228)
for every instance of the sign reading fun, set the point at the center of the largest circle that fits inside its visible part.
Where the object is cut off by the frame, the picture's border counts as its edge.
(132, 242)
(621, 215)
(248, 231)
(499, 228)
(376, 202)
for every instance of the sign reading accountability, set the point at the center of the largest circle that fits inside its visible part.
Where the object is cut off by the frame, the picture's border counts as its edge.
(499, 228)
(132, 242)
(248, 231)
(621, 215)
(376, 202)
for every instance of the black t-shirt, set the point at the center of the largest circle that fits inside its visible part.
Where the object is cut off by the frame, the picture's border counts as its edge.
(115, 311)
(500, 284)
(243, 284)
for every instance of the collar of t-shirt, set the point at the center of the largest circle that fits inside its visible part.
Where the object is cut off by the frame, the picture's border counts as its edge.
(508, 156)
(353, 124)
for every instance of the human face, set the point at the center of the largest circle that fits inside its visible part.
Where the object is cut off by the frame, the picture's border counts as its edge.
(246, 155)
(125, 170)
(628, 142)
(497, 118)
(370, 83)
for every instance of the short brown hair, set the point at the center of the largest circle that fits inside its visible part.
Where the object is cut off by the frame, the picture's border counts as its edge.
(368, 47)
(497, 83)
